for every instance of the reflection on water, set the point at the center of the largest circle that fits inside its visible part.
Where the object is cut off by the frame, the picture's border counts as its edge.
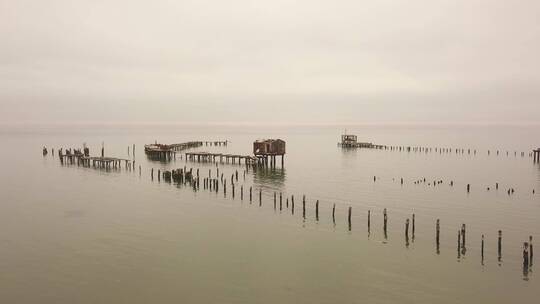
(269, 177)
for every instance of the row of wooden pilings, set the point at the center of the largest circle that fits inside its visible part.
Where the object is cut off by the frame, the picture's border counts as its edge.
(213, 183)
(510, 190)
(461, 151)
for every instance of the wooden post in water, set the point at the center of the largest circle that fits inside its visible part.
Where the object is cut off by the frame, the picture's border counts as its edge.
(385, 219)
(304, 208)
(334, 214)
(250, 194)
(499, 246)
(260, 197)
(482, 250)
(275, 200)
(463, 236)
(349, 218)
(525, 256)
(407, 228)
(369, 221)
(317, 210)
(242, 192)
(152, 174)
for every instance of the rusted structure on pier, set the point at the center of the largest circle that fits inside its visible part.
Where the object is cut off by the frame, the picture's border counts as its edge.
(159, 151)
(267, 149)
(536, 155)
(351, 141)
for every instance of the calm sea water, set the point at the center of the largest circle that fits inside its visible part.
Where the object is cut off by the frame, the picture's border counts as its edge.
(79, 235)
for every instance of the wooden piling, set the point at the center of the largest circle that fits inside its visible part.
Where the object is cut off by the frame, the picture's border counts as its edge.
(368, 221)
(317, 210)
(499, 246)
(407, 228)
(525, 255)
(463, 236)
(334, 213)
(349, 218)
(304, 208)
(482, 249)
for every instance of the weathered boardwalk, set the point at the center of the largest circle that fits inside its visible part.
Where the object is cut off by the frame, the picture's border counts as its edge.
(167, 151)
(104, 162)
(87, 161)
(366, 145)
(219, 157)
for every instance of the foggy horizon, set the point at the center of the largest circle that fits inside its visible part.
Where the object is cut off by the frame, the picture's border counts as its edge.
(309, 62)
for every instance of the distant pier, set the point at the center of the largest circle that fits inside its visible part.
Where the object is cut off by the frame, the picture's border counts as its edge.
(351, 141)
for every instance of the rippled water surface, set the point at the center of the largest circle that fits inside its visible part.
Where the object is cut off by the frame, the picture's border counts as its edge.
(71, 234)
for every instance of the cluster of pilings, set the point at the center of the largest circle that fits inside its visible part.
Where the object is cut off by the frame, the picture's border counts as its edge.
(269, 160)
(536, 155)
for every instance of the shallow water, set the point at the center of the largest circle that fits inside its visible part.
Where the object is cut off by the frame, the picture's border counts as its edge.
(79, 235)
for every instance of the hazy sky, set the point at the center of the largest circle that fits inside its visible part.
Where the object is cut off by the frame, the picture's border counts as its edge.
(304, 61)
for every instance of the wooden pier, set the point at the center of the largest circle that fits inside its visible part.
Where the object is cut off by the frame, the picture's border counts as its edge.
(84, 159)
(221, 158)
(104, 162)
(351, 141)
(167, 151)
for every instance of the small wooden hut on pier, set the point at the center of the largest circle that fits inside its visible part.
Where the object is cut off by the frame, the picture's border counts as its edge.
(536, 155)
(268, 149)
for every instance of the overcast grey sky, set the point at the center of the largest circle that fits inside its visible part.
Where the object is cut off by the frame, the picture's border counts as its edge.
(304, 61)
